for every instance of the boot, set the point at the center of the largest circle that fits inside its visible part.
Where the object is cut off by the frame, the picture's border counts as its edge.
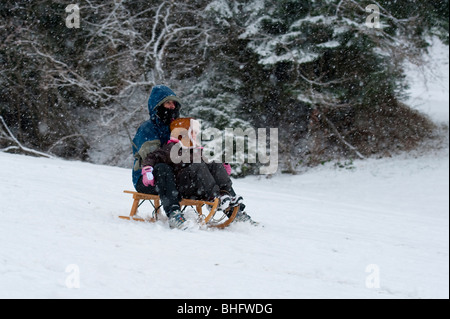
(237, 200)
(177, 220)
(225, 202)
(242, 216)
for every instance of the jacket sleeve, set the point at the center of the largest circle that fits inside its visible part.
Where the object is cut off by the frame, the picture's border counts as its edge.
(142, 153)
(161, 155)
(148, 148)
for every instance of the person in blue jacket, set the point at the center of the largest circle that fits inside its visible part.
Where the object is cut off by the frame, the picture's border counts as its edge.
(164, 107)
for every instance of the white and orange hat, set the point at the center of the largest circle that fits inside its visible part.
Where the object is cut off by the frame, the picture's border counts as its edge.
(186, 130)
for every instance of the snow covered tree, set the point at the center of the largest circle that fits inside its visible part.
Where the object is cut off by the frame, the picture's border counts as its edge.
(34, 68)
(331, 79)
(331, 82)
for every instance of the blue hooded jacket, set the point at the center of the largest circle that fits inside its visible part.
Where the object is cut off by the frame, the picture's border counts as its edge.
(153, 133)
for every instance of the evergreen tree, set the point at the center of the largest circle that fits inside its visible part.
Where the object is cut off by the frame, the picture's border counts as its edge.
(314, 69)
(325, 69)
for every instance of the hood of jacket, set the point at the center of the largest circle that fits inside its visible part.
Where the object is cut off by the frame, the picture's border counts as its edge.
(161, 94)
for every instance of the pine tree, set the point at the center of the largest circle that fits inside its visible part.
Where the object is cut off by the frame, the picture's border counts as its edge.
(314, 69)
(325, 71)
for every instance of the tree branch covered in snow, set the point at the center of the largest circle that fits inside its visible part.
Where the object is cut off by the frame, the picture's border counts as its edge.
(9, 136)
(235, 64)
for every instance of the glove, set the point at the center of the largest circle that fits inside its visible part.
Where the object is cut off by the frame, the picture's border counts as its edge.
(147, 176)
(227, 168)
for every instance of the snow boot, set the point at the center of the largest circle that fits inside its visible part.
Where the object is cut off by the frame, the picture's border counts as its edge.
(225, 202)
(237, 200)
(243, 217)
(177, 220)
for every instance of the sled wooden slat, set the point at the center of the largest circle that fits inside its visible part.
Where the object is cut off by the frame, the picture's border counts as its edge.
(138, 219)
(156, 202)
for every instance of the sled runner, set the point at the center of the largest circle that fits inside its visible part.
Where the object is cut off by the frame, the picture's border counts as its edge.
(209, 219)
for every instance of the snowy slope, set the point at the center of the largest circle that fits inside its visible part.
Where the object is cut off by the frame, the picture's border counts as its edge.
(322, 231)
(373, 229)
(429, 84)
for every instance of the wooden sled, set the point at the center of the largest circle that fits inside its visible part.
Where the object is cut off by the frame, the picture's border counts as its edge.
(209, 220)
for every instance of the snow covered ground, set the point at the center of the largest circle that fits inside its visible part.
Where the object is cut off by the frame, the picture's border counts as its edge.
(377, 228)
(429, 84)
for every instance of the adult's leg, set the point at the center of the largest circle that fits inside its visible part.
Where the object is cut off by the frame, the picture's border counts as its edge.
(221, 177)
(196, 181)
(165, 187)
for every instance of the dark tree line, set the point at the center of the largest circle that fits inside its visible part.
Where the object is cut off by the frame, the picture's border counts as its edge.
(314, 69)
